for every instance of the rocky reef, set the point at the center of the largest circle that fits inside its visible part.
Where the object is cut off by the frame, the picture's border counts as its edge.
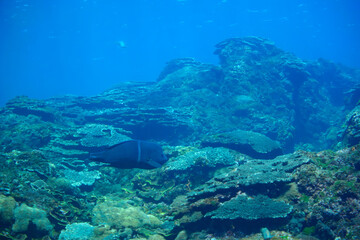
(245, 141)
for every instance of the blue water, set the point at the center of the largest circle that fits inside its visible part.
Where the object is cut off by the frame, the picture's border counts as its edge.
(53, 47)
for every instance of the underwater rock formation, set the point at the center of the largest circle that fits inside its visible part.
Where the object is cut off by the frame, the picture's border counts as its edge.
(351, 135)
(122, 215)
(224, 129)
(252, 172)
(243, 191)
(77, 231)
(292, 95)
(7, 207)
(260, 207)
(24, 215)
(250, 143)
(330, 193)
(99, 135)
(203, 158)
(76, 178)
(257, 86)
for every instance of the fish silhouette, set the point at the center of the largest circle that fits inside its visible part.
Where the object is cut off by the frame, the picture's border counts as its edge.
(132, 154)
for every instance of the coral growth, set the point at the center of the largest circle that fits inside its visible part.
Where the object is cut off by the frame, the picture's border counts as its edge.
(25, 214)
(7, 206)
(77, 231)
(122, 215)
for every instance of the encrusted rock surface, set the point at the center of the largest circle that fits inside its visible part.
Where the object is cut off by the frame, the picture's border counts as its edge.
(252, 172)
(203, 158)
(351, 133)
(260, 207)
(100, 135)
(253, 144)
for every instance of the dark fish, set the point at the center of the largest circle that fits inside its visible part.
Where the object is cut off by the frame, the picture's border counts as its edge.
(132, 154)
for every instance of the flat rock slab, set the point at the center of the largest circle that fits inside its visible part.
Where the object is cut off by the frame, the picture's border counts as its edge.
(253, 144)
(243, 207)
(252, 172)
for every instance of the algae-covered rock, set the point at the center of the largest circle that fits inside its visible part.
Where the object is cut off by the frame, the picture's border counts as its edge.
(227, 195)
(252, 172)
(205, 158)
(24, 132)
(7, 206)
(122, 215)
(25, 214)
(156, 237)
(86, 178)
(100, 135)
(182, 235)
(351, 135)
(186, 73)
(23, 105)
(330, 191)
(77, 231)
(243, 207)
(253, 144)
